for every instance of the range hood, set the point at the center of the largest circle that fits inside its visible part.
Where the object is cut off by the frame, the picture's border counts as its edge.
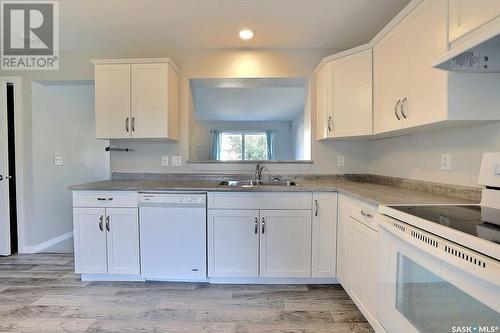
(479, 51)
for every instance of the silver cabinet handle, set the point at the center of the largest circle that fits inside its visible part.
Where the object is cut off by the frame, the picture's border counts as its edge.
(108, 228)
(1, 178)
(403, 103)
(101, 218)
(126, 124)
(366, 214)
(101, 199)
(263, 225)
(329, 123)
(133, 124)
(316, 205)
(256, 226)
(396, 109)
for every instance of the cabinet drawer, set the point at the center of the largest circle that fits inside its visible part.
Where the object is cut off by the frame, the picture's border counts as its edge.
(270, 200)
(104, 199)
(365, 214)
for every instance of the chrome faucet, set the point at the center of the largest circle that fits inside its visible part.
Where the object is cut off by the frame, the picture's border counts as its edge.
(259, 170)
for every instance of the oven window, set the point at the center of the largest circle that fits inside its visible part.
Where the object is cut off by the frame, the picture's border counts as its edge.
(431, 304)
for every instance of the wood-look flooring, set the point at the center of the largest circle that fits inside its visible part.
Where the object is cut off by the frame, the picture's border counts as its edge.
(40, 293)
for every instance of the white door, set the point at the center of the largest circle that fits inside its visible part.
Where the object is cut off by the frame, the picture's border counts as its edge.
(363, 244)
(390, 75)
(90, 240)
(324, 105)
(233, 243)
(112, 101)
(467, 15)
(352, 95)
(122, 226)
(285, 247)
(4, 170)
(427, 99)
(324, 235)
(149, 100)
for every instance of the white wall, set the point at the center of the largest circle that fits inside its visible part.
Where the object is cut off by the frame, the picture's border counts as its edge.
(63, 124)
(418, 156)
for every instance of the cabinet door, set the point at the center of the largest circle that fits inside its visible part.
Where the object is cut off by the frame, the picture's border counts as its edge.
(363, 242)
(427, 99)
(90, 240)
(467, 15)
(112, 101)
(324, 106)
(352, 95)
(324, 234)
(344, 216)
(149, 100)
(390, 72)
(122, 225)
(233, 243)
(285, 246)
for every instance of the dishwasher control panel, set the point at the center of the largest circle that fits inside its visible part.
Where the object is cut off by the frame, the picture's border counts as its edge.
(173, 199)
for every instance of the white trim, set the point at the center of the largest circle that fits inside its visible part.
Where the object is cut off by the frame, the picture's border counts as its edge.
(342, 54)
(277, 280)
(18, 132)
(112, 277)
(137, 61)
(51, 242)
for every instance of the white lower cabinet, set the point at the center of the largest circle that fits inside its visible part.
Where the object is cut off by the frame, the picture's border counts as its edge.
(324, 235)
(271, 238)
(285, 243)
(233, 243)
(106, 240)
(357, 255)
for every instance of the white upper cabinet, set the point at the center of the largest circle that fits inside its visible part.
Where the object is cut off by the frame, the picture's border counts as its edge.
(137, 99)
(112, 101)
(408, 91)
(427, 97)
(390, 58)
(344, 96)
(155, 89)
(467, 15)
(352, 95)
(324, 102)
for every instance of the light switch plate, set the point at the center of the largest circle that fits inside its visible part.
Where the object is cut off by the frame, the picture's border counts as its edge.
(164, 160)
(340, 160)
(58, 160)
(445, 162)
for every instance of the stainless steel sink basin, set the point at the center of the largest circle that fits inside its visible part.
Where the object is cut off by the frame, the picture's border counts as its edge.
(253, 183)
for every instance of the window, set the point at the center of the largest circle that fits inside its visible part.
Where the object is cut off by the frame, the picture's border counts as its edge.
(246, 146)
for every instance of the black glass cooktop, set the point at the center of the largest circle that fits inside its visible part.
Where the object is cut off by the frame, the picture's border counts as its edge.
(482, 222)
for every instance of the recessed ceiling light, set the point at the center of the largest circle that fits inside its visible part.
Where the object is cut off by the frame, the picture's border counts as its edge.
(246, 34)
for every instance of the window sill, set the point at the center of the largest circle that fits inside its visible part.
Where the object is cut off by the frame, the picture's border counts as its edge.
(253, 162)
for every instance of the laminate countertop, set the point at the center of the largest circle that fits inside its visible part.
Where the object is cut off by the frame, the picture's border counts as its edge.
(371, 193)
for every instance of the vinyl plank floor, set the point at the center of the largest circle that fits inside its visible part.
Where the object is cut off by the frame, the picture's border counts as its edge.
(41, 293)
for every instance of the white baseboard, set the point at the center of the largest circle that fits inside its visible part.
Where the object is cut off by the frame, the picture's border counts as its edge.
(42, 246)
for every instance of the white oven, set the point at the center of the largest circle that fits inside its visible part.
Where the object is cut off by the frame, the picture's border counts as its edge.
(429, 284)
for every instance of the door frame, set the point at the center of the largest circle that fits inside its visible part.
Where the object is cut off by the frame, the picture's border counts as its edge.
(19, 152)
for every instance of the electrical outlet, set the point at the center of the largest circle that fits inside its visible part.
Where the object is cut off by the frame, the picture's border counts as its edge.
(58, 160)
(445, 162)
(164, 160)
(340, 160)
(176, 160)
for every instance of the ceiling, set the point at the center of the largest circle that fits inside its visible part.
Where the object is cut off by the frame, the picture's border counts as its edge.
(102, 25)
(248, 99)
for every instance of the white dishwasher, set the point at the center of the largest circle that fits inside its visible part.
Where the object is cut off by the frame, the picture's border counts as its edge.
(173, 230)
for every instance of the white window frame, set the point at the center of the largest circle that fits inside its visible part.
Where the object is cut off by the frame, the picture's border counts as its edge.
(243, 134)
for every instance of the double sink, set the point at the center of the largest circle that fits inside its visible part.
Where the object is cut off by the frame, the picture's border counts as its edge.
(255, 183)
